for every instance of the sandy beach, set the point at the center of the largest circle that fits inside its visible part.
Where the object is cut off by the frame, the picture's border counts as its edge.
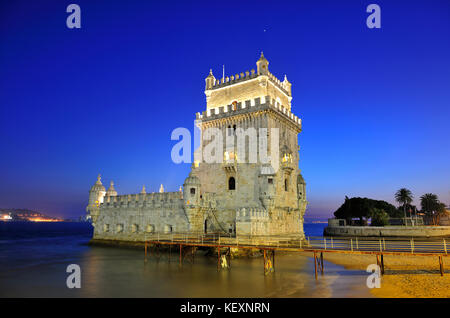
(405, 276)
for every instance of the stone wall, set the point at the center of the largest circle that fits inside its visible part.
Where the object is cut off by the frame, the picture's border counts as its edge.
(388, 231)
(130, 217)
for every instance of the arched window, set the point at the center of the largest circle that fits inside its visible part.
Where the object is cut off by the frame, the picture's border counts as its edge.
(192, 191)
(285, 184)
(168, 228)
(231, 184)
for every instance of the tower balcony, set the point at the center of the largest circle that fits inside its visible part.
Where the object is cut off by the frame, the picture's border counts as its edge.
(229, 165)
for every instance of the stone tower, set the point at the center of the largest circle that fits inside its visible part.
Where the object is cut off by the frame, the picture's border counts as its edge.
(245, 178)
(249, 197)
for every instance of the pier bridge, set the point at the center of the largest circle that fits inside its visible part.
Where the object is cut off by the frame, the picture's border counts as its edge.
(185, 244)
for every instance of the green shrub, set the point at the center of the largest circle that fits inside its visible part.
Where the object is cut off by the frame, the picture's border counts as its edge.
(379, 217)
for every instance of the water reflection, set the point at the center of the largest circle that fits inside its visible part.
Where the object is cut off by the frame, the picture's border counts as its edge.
(112, 272)
(38, 269)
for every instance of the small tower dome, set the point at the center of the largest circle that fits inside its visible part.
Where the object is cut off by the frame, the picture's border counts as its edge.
(98, 186)
(191, 189)
(111, 191)
(300, 179)
(262, 65)
(209, 80)
(301, 187)
(287, 85)
(191, 180)
(96, 196)
(143, 191)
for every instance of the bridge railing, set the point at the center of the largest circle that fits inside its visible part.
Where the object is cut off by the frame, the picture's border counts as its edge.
(412, 245)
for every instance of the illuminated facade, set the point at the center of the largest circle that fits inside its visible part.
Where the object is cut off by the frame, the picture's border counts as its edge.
(231, 196)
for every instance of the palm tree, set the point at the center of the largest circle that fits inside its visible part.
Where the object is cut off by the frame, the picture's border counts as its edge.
(430, 204)
(404, 196)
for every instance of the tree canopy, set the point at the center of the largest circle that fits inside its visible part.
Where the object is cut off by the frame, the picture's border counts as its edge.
(404, 197)
(431, 206)
(363, 208)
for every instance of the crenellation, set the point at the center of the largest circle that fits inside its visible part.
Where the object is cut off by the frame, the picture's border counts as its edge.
(248, 106)
(233, 79)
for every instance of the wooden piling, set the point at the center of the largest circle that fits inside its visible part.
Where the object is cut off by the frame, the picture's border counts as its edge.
(273, 260)
(321, 262)
(269, 253)
(265, 262)
(218, 258)
(315, 265)
(145, 258)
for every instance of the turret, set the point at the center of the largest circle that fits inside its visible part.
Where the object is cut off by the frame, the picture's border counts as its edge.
(262, 65)
(301, 192)
(96, 195)
(191, 190)
(267, 190)
(111, 191)
(210, 79)
(287, 85)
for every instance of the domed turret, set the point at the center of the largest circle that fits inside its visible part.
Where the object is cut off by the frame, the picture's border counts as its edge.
(111, 191)
(301, 192)
(191, 189)
(191, 180)
(98, 186)
(287, 85)
(209, 80)
(262, 65)
(96, 195)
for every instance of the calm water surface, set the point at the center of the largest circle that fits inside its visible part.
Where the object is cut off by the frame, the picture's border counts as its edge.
(34, 258)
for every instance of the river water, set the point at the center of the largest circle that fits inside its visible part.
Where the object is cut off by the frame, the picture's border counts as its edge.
(34, 258)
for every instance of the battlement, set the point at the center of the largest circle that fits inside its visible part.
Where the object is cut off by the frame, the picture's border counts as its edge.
(264, 102)
(233, 79)
(218, 83)
(143, 199)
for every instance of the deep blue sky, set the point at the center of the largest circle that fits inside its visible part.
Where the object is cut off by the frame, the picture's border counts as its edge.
(105, 98)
